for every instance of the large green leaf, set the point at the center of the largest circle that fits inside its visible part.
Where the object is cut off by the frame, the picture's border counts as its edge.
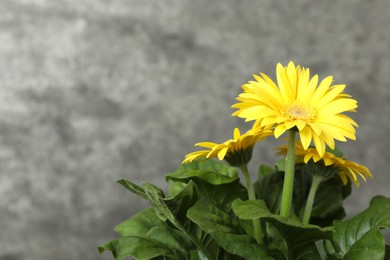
(360, 234)
(145, 236)
(209, 171)
(226, 230)
(298, 237)
(370, 246)
(214, 180)
(140, 247)
(222, 195)
(140, 223)
(161, 231)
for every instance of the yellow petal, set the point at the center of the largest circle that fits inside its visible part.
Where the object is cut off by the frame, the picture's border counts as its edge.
(236, 133)
(300, 124)
(289, 124)
(321, 90)
(306, 91)
(320, 145)
(284, 84)
(329, 96)
(337, 106)
(316, 128)
(252, 113)
(206, 144)
(222, 153)
(305, 136)
(292, 78)
(303, 80)
(279, 130)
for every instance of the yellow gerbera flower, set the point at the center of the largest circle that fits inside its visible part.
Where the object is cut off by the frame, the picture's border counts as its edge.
(236, 151)
(346, 169)
(299, 102)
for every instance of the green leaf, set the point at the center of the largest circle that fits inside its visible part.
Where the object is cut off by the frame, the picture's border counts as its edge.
(214, 180)
(139, 247)
(251, 209)
(226, 230)
(328, 202)
(171, 238)
(175, 187)
(209, 171)
(137, 190)
(298, 237)
(370, 246)
(281, 165)
(352, 234)
(307, 251)
(222, 195)
(173, 209)
(264, 170)
(269, 188)
(140, 223)
(145, 236)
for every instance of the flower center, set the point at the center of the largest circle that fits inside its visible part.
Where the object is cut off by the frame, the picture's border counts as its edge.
(299, 110)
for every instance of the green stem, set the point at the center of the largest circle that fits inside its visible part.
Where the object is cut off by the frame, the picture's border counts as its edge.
(252, 196)
(288, 185)
(310, 199)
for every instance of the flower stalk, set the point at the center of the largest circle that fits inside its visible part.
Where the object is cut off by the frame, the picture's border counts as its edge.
(288, 185)
(310, 199)
(252, 196)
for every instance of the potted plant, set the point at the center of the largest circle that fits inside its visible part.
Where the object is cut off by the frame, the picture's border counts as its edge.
(293, 210)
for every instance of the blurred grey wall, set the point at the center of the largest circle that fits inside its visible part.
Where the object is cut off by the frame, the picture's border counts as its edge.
(92, 91)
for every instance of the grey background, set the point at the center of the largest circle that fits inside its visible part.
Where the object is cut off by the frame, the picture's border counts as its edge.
(92, 91)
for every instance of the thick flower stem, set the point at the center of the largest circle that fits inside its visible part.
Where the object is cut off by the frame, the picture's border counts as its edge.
(252, 196)
(310, 199)
(288, 186)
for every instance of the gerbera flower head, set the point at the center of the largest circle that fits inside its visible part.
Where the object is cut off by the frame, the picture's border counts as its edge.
(344, 168)
(299, 102)
(236, 151)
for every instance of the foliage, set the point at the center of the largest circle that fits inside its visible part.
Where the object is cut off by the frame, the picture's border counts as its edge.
(207, 215)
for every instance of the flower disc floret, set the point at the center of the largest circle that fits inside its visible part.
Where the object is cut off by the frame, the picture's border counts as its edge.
(299, 102)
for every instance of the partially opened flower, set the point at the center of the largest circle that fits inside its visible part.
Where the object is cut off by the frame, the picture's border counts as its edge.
(236, 151)
(298, 102)
(345, 169)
